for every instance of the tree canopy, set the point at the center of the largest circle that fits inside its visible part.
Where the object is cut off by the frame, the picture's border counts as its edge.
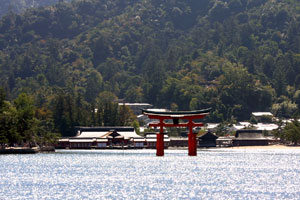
(236, 56)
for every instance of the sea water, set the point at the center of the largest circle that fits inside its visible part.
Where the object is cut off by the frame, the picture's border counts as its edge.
(139, 174)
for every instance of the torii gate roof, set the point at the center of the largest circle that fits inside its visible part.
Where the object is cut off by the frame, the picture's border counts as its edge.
(177, 114)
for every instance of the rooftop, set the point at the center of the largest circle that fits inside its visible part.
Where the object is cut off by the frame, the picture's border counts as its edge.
(259, 114)
(103, 132)
(135, 104)
(267, 127)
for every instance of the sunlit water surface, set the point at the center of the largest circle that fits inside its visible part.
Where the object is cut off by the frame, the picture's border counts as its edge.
(139, 174)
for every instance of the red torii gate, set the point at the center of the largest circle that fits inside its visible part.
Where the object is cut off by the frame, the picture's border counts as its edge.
(176, 116)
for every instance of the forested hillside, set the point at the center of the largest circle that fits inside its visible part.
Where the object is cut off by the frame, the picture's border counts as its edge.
(236, 56)
(18, 6)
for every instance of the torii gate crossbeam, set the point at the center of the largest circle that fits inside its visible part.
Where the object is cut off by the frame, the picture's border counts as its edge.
(176, 116)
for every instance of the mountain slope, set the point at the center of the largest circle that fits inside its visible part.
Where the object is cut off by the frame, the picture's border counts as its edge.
(236, 56)
(18, 6)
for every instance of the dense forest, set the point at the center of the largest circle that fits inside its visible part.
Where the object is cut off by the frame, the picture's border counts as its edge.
(19, 6)
(235, 56)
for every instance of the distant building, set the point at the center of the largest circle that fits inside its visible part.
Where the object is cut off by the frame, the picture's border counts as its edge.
(103, 137)
(264, 117)
(178, 141)
(249, 137)
(151, 140)
(207, 139)
(224, 141)
(266, 127)
(260, 114)
(212, 127)
(241, 125)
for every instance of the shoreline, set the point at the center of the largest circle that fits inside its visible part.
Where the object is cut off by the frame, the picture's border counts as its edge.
(27, 150)
(198, 148)
(37, 150)
(19, 150)
(276, 146)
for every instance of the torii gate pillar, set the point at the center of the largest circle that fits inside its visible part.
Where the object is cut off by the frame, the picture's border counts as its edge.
(192, 142)
(160, 142)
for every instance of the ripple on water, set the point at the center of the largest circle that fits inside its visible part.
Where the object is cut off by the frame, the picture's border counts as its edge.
(139, 174)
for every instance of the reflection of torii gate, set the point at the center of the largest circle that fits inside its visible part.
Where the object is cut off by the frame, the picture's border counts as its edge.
(176, 116)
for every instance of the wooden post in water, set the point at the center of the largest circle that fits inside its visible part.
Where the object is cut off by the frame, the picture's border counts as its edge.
(192, 142)
(160, 140)
(159, 144)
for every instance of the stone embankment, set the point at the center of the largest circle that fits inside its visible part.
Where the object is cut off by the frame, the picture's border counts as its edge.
(26, 150)
(19, 150)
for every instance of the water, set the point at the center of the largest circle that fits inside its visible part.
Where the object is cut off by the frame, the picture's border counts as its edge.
(139, 174)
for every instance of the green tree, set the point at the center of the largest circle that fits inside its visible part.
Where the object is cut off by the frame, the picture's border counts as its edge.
(8, 124)
(46, 135)
(26, 122)
(134, 94)
(2, 97)
(81, 111)
(237, 92)
(110, 114)
(63, 115)
(94, 85)
(292, 132)
(136, 126)
(285, 108)
(99, 114)
(296, 98)
(106, 97)
(126, 116)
